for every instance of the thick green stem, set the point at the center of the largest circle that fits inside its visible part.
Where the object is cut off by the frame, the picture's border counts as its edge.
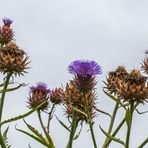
(111, 125)
(89, 120)
(1, 107)
(115, 132)
(73, 129)
(129, 126)
(3, 95)
(2, 143)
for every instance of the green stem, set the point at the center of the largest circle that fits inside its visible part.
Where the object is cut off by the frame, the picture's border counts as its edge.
(50, 117)
(111, 125)
(115, 132)
(92, 134)
(1, 107)
(73, 129)
(143, 143)
(129, 126)
(3, 95)
(2, 143)
(43, 128)
(89, 121)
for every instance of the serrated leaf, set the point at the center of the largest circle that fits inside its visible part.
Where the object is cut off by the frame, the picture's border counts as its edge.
(35, 132)
(115, 99)
(111, 137)
(5, 133)
(12, 89)
(5, 138)
(34, 137)
(22, 116)
(63, 124)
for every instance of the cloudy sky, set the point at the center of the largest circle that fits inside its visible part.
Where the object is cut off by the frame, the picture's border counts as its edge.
(56, 32)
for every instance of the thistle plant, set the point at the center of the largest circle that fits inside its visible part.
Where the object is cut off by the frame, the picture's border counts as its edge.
(82, 94)
(78, 97)
(13, 62)
(128, 90)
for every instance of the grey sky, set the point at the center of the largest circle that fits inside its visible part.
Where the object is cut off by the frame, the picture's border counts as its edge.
(56, 32)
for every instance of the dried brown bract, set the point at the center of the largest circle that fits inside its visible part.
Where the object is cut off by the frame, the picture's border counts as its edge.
(13, 59)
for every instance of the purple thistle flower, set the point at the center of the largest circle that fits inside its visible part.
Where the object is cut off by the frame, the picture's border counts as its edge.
(84, 68)
(7, 21)
(39, 94)
(6, 33)
(84, 72)
(40, 86)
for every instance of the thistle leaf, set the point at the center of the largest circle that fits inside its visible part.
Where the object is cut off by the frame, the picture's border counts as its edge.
(111, 137)
(35, 138)
(6, 138)
(103, 112)
(49, 140)
(35, 132)
(63, 124)
(115, 99)
(22, 116)
(12, 89)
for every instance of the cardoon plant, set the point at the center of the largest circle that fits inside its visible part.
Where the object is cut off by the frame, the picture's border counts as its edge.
(78, 97)
(13, 62)
(128, 89)
(83, 98)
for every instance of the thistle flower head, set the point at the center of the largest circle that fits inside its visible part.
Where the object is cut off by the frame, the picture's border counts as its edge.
(84, 72)
(13, 59)
(6, 33)
(136, 77)
(7, 21)
(74, 98)
(84, 68)
(39, 94)
(56, 95)
(115, 78)
(134, 88)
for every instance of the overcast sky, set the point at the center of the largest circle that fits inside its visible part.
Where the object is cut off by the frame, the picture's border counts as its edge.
(56, 32)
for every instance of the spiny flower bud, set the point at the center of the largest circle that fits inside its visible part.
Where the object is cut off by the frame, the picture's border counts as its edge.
(13, 59)
(74, 98)
(56, 95)
(134, 88)
(84, 72)
(6, 33)
(115, 78)
(37, 95)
